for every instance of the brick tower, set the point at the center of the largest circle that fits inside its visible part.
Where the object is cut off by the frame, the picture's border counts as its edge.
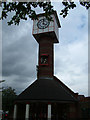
(46, 34)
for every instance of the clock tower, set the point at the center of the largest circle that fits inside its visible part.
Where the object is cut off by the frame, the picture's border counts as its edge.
(46, 34)
(47, 97)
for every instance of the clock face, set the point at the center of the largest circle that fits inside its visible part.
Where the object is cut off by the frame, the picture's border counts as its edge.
(43, 23)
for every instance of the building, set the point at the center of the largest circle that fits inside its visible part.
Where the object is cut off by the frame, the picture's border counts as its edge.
(47, 98)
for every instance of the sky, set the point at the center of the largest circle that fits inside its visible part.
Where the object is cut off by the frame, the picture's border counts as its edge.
(20, 52)
(88, 52)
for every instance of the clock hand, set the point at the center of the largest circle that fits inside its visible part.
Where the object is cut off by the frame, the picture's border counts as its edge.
(43, 21)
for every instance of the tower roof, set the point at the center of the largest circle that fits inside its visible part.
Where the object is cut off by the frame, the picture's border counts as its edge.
(52, 90)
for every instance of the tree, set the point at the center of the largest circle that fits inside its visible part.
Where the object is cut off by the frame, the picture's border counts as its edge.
(8, 96)
(1, 82)
(23, 10)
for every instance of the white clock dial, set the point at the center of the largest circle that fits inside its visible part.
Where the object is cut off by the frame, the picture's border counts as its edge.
(43, 23)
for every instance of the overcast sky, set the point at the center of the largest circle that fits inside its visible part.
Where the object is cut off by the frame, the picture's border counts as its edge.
(20, 52)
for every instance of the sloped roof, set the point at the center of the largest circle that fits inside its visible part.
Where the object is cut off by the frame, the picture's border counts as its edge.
(46, 90)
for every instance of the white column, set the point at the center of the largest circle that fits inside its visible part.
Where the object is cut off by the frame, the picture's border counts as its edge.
(49, 111)
(15, 112)
(27, 112)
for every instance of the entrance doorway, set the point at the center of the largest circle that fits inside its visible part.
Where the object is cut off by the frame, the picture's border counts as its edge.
(60, 111)
(38, 111)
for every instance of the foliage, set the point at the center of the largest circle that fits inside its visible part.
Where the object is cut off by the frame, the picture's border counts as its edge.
(72, 5)
(8, 96)
(1, 83)
(23, 10)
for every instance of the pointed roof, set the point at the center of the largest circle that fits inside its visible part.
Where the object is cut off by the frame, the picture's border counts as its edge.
(47, 90)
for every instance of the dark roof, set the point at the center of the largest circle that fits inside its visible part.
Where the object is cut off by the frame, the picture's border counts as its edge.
(46, 90)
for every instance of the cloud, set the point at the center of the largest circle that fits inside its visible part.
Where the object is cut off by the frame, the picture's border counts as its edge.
(71, 54)
(71, 64)
(19, 55)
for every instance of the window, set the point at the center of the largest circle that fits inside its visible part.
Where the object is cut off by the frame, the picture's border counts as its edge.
(44, 59)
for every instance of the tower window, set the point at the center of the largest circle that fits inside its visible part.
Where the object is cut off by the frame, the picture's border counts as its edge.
(44, 59)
